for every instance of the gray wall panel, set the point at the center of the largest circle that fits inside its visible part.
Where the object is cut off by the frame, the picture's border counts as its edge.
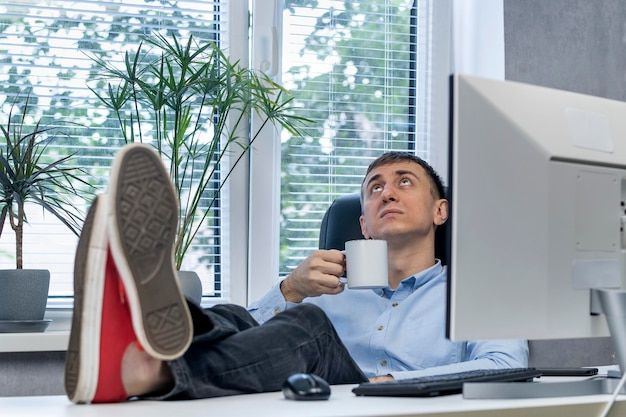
(576, 45)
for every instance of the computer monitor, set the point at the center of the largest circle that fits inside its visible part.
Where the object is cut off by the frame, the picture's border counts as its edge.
(537, 189)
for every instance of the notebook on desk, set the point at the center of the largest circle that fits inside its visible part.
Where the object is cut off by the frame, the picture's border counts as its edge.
(445, 384)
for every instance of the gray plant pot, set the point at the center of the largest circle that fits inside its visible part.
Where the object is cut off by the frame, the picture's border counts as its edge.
(190, 285)
(23, 293)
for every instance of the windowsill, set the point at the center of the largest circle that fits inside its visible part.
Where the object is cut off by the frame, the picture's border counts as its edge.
(55, 338)
(48, 341)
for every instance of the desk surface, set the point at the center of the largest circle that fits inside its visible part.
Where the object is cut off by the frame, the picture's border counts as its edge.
(341, 403)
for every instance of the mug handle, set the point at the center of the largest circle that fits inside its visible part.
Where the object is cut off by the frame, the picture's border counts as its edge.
(343, 279)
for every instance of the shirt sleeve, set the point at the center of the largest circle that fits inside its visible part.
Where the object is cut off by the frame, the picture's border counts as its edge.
(486, 354)
(272, 303)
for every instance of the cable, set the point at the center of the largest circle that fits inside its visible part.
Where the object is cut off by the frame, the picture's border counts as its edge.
(609, 405)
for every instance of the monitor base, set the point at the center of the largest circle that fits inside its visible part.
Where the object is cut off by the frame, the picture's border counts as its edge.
(516, 390)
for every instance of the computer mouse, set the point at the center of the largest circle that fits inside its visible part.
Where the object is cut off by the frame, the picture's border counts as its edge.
(306, 387)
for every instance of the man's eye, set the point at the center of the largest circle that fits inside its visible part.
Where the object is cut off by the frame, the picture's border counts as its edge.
(405, 181)
(376, 188)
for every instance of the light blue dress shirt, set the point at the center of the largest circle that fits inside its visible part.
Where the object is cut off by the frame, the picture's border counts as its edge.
(402, 332)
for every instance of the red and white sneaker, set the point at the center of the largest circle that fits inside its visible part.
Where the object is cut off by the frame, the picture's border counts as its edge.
(101, 326)
(143, 219)
(125, 286)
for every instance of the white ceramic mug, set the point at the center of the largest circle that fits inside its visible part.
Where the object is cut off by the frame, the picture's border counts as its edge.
(366, 263)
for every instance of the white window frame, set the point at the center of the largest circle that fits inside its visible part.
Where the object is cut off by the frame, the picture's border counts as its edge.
(265, 163)
(237, 199)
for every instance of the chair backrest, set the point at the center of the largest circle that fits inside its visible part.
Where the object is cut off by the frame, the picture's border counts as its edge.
(341, 224)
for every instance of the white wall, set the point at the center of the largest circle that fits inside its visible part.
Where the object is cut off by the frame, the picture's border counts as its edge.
(478, 37)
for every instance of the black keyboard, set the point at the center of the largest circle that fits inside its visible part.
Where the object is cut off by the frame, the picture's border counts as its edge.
(445, 384)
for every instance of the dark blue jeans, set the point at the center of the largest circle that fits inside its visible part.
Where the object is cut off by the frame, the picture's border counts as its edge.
(232, 354)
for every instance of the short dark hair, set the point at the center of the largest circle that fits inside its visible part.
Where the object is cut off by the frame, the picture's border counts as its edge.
(401, 156)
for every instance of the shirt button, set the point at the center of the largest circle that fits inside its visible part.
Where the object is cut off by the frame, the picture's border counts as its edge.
(394, 304)
(383, 363)
(380, 327)
(276, 311)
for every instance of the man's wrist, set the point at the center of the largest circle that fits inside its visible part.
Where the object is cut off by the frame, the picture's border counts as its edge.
(289, 293)
(382, 378)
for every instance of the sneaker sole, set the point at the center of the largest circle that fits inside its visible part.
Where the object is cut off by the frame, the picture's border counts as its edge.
(82, 358)
(142, 230)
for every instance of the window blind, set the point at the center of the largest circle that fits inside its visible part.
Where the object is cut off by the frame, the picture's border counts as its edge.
(46, 49)
(359, 71)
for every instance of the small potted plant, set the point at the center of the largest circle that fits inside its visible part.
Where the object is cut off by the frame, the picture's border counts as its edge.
(29, 176)
(191, 103)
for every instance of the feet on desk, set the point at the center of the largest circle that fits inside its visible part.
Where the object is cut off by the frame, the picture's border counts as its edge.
(126, 295)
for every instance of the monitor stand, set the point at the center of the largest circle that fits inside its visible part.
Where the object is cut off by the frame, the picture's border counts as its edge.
(611, 303)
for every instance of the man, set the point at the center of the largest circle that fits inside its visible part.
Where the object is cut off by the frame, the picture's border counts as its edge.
(399, 331)
(131, 334)
(134, 335)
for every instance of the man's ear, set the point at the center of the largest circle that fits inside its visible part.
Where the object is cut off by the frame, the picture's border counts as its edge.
(441, 212)
(364, 228)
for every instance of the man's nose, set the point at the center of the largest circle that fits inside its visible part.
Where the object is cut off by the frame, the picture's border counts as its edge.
(388, 193)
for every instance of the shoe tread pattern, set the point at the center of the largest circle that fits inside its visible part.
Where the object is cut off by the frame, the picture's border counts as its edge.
(147, 215)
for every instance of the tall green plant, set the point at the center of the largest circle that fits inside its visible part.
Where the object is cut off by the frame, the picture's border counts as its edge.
(26, 176)
(192, 104)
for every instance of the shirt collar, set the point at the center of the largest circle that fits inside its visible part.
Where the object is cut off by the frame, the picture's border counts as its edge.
(413, 282)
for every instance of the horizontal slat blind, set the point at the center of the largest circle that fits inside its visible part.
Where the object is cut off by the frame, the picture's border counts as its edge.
(352, 68)
(45, 50)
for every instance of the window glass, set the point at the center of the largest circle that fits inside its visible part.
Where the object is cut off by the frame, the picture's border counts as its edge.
(354, 69)
(47, 49)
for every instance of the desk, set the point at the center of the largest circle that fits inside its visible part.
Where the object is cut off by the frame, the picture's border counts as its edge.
(342, 403)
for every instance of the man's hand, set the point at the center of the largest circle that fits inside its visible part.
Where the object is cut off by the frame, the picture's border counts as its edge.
(381, 378)
(316, 275)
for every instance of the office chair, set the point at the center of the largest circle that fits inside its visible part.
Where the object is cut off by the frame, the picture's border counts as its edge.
(341, 224)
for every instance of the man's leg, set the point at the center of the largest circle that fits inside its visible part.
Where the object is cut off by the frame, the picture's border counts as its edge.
(237, 356)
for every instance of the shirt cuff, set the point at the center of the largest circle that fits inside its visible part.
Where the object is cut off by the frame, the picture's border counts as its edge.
(272, 303)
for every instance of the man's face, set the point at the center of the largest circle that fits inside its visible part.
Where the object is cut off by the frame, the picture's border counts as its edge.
(398, 201)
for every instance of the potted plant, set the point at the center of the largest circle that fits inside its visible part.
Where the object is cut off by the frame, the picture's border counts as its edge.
(191, 103)
(29, 176)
